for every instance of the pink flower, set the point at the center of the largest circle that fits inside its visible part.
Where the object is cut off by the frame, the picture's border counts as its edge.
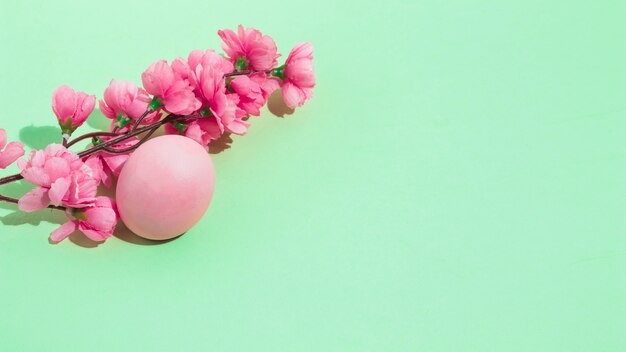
(202, 130)
(198, 58)
(209, 58)
(253, 91)
(223, 106)
(249, 49)
(11, 152)
(62, 177)
(105, 165)
(124, 102)
(172, 89)
(97, 221)
(71, 108)
(299, 76)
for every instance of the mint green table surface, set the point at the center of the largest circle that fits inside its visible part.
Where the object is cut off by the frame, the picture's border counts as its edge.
(456, 184)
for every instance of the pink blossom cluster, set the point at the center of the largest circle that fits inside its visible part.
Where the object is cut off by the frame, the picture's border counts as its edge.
(64, 179)
(204, 95)
(201, 85)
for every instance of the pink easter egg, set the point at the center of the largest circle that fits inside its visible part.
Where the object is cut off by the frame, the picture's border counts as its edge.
(165, 187)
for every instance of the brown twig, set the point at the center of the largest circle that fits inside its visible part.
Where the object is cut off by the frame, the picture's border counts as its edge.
(126, 136)
(11, 178)
(143, 116)
(242, 73)
(90, 135)
(15, 200)
(134, 146)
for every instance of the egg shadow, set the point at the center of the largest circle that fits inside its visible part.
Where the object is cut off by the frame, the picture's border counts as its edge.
(123, 233)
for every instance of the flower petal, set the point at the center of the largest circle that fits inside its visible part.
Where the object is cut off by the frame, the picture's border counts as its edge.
(63, 231)
(34, 200)
(12, 152)
(58, 190)
(3, 138)
(292, 95)
(64, 102)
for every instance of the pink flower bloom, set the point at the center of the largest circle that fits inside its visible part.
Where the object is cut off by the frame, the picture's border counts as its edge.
(71, 108)
(82, 189)
(202, 130)
(173, 90)
(11, 152)
(124, 102)
(253, 91)
(249, 48)
(97, 221)
(107, 166)
(62, 178)
(209, 58)
(198, 58)
(299, 76)
(223, 106)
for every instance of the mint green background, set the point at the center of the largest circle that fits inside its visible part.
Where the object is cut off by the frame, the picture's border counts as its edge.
(456, 184)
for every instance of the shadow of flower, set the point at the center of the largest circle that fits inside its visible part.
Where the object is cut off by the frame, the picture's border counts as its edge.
(15, 189)
(38, 137)
(221, 144)
(19, 217)
(276, 105)
(98, 121)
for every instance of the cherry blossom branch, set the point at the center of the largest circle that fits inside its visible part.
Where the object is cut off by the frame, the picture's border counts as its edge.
(120, 137)
(128, 135)
(10, 179)
(14, 200)
(90, 135)
(242, 73)
(143, 116)
(110, 143)
(134, 146)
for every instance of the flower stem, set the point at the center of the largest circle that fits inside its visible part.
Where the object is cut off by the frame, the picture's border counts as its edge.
(242, 73)
(95, 149)
(11, 178)
(143, 116)
(134, 146)
(66, 137)
(15, 200)
(90, 135)
(128, 135)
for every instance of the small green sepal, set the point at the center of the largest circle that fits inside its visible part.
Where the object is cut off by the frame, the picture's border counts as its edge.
(279, 72)
(180, 126)
(79, 214)
(241, 63)
(206, 112)
(66, 127)
(122, 120)
(155, 104)
(96, 141)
